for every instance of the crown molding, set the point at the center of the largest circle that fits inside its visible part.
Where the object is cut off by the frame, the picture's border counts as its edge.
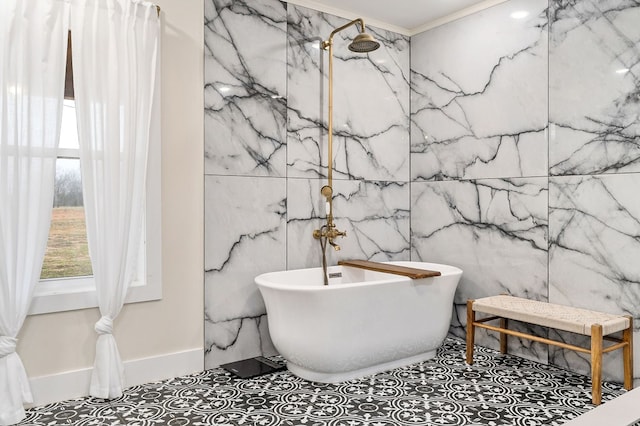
(455, 16)
(319, 6)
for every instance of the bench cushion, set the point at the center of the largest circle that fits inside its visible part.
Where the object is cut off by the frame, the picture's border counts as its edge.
(561, 317)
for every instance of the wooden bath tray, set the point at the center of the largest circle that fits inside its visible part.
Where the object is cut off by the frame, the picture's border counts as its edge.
(413, 273)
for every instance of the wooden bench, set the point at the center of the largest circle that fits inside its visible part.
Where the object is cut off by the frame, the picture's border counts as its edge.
(598, 325)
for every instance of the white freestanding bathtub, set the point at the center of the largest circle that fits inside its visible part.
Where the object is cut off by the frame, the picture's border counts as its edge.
(362, 323)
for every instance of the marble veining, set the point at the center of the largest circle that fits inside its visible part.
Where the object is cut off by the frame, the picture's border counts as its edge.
(594, 229)
(244, 237)
(495, 230)
(245, 87)
(594, 86)
(540, 205)
(374, 214)
(588, 171)
(265, 148)
(479, 98)
(371, 101)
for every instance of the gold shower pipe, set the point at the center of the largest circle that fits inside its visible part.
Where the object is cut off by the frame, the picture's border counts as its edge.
(362, 43)
(327, 191)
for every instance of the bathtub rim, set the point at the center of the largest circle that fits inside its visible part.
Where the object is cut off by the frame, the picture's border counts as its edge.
(263, 280)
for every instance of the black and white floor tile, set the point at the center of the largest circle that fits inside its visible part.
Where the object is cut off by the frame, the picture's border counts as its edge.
(496, 390)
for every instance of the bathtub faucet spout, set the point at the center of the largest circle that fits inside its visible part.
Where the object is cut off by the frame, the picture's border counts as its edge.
(333, 244)
(330, 233)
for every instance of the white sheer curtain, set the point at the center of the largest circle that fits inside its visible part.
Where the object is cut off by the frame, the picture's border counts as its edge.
(33, 42)
(115, 50)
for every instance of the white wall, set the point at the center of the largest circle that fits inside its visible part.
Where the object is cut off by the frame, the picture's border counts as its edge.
(53, 344)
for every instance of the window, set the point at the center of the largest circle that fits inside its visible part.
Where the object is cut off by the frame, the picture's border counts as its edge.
(67, 252)
(66, 279)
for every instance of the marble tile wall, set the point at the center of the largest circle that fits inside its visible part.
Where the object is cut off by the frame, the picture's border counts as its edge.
(245, 162)
(524, 157)
(479, 98)
(508, 146)
(370, 142)
(266, 89)
(479, 155)
(594, 147)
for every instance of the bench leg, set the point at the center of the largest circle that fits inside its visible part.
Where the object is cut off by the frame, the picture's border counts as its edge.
(471, 318)
(627, 355)
(596, 364)
(503, 337)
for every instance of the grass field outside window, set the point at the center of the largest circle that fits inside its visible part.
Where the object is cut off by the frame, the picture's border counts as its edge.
(67, 252)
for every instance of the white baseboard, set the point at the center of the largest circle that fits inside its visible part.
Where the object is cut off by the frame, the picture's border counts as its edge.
(75, 384)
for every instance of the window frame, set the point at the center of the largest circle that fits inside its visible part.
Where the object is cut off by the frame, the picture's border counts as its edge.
(74, 293)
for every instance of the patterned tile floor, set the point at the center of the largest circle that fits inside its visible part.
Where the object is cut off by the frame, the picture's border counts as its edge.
(496, 390)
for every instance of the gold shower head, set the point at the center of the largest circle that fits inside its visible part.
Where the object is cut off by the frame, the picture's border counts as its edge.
(364, 43)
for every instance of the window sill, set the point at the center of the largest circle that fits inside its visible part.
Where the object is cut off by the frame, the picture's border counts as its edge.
(69, 294)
